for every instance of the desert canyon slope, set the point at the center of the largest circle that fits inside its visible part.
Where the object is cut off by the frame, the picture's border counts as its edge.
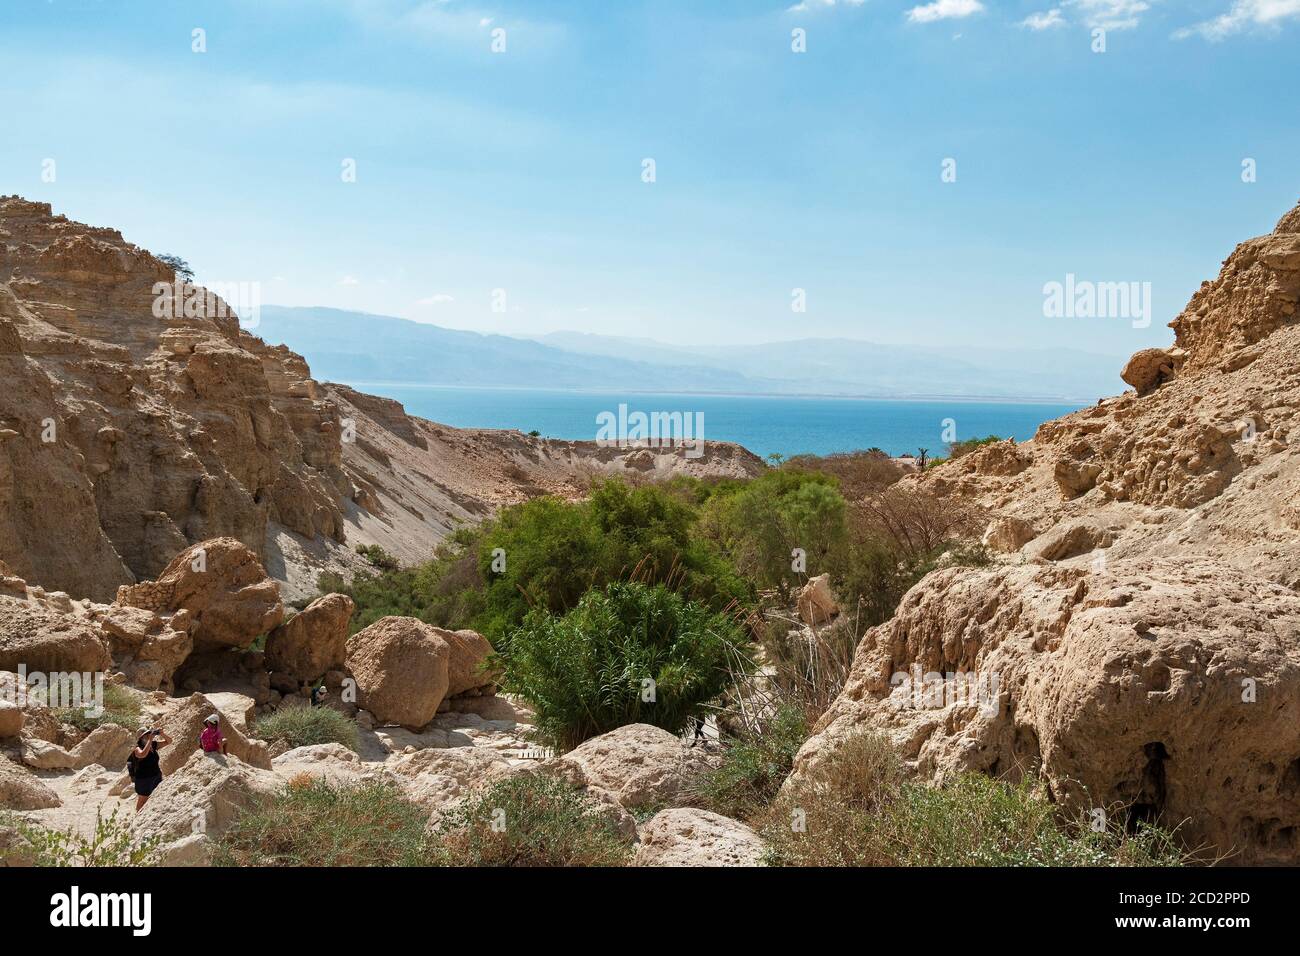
(1143, 619)
(125, 437)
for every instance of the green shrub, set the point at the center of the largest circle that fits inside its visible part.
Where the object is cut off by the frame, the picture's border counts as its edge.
(958, 448)
(121, 707)
(111, 844)
(759, 523)
(445, 591)
(310, 823)
(555, 551)
(302, 726)
(857, 809)
(585, 672)
(532, 819)
(378, 557)
(753, 766)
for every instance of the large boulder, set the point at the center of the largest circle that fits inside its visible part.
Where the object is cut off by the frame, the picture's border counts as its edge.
(229, 596)
(401, 666)
(685, 836)
(48, 640)
(467, 667)
(816, 602)
(1007, 534)
(313, 641)
(20, 789)
(640, 764)
(203, 797)
(11, 719)
(108, 745)
(1157, 689)
(184, 723)
(1148, 369)
(146, 646)
(438, 777)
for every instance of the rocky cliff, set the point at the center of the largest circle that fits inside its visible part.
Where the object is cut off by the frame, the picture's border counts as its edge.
(1137, 643)
(133, 424)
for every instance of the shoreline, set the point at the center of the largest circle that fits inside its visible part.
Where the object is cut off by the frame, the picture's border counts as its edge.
(965, 399)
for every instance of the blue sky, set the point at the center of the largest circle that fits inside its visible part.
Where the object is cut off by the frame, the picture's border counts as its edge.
(775, 170)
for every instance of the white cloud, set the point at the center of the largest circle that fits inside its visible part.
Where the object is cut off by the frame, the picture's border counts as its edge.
(944, 10)
(1109, 14)
(1244, 15)
(1044, 21)
(438, 299)
(349, 280)
(803, 6)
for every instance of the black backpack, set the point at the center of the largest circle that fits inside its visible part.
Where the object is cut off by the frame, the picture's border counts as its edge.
(130, 766)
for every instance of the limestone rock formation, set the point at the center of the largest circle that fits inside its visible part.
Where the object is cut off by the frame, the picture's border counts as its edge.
(229, 598)
(468, 668)
(138, 421)
(20, 789)
(203, 796)
(816, 602)
(641, 765)
(1157, 689)
(183, 722)
(400, 665)
(43, 638)
(314, 640)
(1146, 657)
(686, 836)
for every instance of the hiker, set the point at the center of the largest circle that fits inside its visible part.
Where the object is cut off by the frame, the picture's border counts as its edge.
(318, 695)
(211, 741)
(143, 763)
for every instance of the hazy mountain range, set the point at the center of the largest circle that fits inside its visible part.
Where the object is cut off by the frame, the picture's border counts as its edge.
(359, 347)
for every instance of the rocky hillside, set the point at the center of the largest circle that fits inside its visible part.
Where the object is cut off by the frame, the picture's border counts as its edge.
(1143, 621)
(126, 436)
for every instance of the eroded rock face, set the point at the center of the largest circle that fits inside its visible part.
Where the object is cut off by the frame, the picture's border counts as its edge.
(208, 791)
(641, 765)
(685, 836)
(222, 585)
(184, 722)
(314, 640)
(1157, 689)
(20, 789)
(49, 640)
(132, 428)
(400, 665)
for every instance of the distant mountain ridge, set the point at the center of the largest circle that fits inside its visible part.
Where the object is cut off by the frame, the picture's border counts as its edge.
(362, 347)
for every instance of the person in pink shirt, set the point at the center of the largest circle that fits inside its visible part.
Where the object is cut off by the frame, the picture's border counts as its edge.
(211, 740)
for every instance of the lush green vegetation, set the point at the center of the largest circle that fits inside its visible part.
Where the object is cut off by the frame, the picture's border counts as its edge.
(631, 653)
(304, 726)
(857, 809)
(532, 819)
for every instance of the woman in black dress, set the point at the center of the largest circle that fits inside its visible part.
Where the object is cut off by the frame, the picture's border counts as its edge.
(145, 758)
